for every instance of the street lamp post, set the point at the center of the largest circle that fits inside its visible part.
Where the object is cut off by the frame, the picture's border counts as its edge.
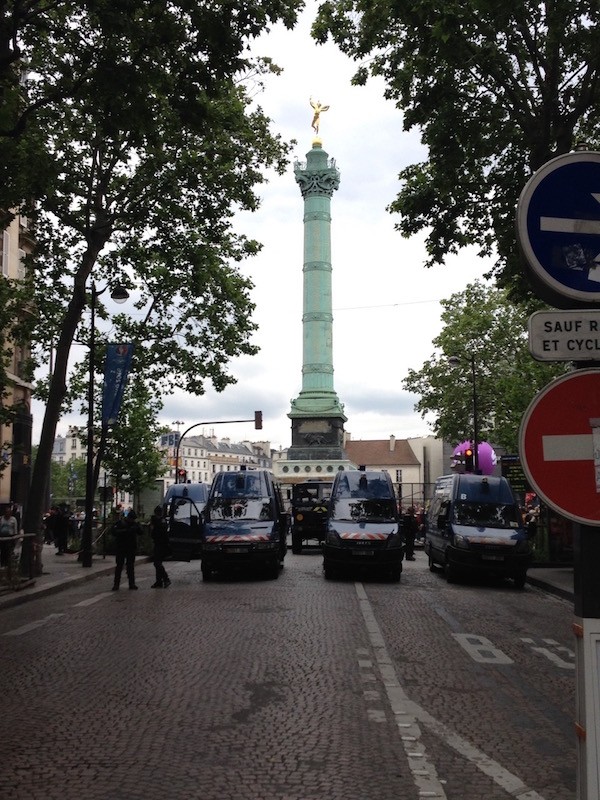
(454, 361)
(119, 295)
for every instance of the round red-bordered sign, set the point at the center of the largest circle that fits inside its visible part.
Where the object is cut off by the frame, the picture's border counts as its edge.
(560, 432)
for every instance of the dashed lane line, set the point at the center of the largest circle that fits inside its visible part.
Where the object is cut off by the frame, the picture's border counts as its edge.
(32, 625)
(409, 714)
(91, 600)
(422, 770)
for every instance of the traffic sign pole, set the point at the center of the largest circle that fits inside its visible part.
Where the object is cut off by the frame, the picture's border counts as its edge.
(558, 224)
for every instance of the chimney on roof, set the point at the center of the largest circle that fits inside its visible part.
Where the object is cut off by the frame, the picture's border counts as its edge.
(392, 443)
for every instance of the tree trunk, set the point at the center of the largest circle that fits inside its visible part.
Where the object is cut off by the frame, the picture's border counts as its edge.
(31, 554)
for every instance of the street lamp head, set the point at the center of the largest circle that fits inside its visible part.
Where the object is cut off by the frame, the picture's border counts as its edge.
(119, 294)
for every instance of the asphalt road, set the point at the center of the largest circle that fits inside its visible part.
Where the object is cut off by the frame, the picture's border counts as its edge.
(290, 689)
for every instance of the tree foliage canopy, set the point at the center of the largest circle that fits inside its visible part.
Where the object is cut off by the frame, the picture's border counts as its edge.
(496, 89)
(151, 143)
(480, 325)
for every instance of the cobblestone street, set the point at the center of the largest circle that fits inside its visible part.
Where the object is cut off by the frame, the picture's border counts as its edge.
(294, 689)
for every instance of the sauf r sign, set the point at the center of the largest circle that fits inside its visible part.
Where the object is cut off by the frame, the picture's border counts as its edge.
(565, 335)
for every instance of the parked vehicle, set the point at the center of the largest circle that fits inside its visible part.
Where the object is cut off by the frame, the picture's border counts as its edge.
(363, 526)
(184, 506)
(309, 512)
(474, 524)
(245, 523)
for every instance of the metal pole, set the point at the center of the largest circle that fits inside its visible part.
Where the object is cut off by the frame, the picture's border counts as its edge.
(86, 533)
(475, 420)
(195, 425)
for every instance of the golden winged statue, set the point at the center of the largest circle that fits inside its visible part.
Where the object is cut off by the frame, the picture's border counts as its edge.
(318, 109)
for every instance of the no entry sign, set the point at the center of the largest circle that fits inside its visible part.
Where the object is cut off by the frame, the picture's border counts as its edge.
(560, 445)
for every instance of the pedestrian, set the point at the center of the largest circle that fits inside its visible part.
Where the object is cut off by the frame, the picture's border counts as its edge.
(409, 531)
(8, 533)
(49, 523)
(126, 531)
(162, 547)
(62, 526)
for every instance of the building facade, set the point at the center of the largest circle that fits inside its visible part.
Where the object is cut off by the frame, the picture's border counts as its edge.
(17, 244)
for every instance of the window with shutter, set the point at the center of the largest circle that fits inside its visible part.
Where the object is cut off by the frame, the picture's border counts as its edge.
(21, 265)
(5, 252)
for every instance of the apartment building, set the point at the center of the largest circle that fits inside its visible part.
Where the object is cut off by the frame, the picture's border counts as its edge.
(15, 444)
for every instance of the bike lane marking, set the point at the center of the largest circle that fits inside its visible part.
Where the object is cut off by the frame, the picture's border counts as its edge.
(31, 626)
(554, 652)
(91, 600)
(481, 649)
(409, 714)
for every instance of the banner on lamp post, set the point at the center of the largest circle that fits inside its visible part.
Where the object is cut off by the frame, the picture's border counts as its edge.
(116, 370)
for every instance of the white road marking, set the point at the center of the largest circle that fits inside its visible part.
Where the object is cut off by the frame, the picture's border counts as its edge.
(422, 770)
(32, 625)
(481, 649)
(408, 714)
(91, 600)
(552, 653)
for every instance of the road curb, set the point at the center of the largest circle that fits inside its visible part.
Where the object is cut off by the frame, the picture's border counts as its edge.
(48, 587)
(565, 594)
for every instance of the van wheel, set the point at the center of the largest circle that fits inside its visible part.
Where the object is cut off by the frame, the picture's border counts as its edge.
(296, 543)
(395, 573)
(206, 573)
(519, 580)
(328, 570)
(432, 566)
(273, 571)
(451, 572)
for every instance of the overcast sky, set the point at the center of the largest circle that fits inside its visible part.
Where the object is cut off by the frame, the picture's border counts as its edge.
(385, 302)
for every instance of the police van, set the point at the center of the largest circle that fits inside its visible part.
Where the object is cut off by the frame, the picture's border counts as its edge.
(184, 507)
(474, 525)
(309, 504)
(245, 524)
(363, 526)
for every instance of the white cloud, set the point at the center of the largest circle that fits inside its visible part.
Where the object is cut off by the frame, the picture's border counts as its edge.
(385, 303)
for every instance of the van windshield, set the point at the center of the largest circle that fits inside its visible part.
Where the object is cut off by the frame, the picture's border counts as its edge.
(364, 510)
(486, 515)
(240, 508)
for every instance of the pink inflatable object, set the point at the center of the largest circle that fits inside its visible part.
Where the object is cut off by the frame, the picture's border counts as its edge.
(487, 456)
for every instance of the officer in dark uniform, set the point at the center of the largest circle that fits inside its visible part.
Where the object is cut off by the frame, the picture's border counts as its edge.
(409, 531)
(126, 531)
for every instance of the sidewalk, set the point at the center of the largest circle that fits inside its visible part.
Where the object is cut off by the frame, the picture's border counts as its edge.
(556, 580)
(60, 572)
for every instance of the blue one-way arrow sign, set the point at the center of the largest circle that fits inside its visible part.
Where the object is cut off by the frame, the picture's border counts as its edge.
(558, 222)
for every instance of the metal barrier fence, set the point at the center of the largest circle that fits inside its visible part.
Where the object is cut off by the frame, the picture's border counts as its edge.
(10, 571)
(417, 495)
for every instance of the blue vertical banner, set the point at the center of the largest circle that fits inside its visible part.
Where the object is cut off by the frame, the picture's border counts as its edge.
(116, 370)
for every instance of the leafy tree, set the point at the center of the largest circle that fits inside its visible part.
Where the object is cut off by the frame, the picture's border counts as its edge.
(496, 89)
(131, 456)
(145, 183)
(480, 324)
(67, 480)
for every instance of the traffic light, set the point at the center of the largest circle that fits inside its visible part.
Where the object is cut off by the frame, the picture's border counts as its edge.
(469, 465)
(182, 476)
(258, 420)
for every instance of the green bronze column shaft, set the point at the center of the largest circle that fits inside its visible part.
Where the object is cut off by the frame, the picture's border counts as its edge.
(318, 179)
